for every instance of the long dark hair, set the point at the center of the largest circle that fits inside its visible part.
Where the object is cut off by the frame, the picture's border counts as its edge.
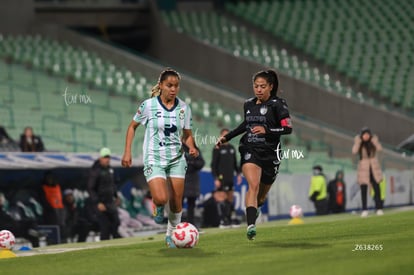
(368, 145)
(271, 78)
(155, 91)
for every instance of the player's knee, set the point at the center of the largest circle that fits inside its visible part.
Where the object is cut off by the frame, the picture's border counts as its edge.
(254, 187)
(160, 199)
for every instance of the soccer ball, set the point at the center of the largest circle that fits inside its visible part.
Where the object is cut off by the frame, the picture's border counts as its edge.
(295, 211)
(185, 235)
(7, 240)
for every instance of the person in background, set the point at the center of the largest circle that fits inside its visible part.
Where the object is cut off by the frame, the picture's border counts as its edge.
(317, 191)
(383, 190)
(337, 193)
(224, 167)
(366, 146)
(215, 209)
(26, 229)
(192, 181)
(29, 142)
(103, 194)
(75, 223)
(52, 201)
(4, 136)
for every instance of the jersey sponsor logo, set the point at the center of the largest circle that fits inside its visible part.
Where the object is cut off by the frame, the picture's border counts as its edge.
(181, 114)
(263, 110)
(169, 129)
(163, 115)
(252, 138)
(256, 119)
(162, 143)
(247, 156)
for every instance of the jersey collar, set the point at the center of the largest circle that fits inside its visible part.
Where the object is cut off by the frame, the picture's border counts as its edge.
(165, 108)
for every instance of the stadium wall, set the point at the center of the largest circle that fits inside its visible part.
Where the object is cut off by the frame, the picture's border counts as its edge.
(289, 189)
(16, 16)
(219, 66)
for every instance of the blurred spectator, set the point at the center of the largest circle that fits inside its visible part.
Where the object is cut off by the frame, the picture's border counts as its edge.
(6, 143)
(53, 209)
(103, 193)
(366, 146)
(192, 181)
(20, 228)
(128, 225)
(383, 190)
(337, 193)
(4, 136)
(30, 142)
(317, 191)
(76, 224)
(224, 167)
(216, 208)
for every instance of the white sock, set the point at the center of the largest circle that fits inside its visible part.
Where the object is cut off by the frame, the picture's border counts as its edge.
(167, 208)
(173, 220)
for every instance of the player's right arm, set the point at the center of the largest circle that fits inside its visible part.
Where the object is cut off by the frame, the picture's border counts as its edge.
(126, 158)
(140, 117)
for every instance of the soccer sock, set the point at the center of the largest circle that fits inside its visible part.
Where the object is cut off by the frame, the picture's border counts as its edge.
(251, 215)
(173, 220)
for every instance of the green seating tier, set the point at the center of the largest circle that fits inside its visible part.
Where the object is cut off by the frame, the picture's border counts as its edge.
(37, 90)
(369, 41)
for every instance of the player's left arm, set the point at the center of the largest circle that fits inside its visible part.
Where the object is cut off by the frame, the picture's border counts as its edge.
(187, 137)
(188, 140)
(282, 114)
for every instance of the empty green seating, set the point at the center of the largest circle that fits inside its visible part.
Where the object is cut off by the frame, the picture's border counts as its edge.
(357, 38)
(220, 31)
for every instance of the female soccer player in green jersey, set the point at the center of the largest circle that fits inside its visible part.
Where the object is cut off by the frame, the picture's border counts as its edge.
(167, 121)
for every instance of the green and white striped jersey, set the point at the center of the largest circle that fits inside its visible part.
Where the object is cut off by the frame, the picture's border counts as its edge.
(163, 129)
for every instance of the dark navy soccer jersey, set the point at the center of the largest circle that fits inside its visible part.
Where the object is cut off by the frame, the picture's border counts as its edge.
(273, 115)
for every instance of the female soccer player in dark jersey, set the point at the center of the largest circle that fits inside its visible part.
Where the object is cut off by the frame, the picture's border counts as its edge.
(266, 118)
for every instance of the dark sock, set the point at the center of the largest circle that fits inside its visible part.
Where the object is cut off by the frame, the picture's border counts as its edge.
(251, 215)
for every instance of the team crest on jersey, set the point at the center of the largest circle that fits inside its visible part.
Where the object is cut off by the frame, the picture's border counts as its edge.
(263, 110)
(147, 171)
(247, 156)
(181, 114)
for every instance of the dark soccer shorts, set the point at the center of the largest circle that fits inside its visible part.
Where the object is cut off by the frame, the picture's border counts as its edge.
(226, 185)
(264, 158)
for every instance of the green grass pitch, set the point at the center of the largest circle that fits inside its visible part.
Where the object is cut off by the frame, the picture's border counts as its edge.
(323, 245)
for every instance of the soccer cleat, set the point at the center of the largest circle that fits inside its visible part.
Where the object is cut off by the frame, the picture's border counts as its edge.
(169, 242)
(251, 232)
(158, 214)
(380, 212)
(364, 213)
